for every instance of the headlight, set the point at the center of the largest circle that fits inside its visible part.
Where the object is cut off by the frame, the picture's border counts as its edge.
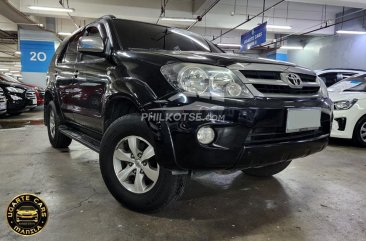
(323, 88)
(344, 104)
(14, 97)
(205, 80)
(14, 90)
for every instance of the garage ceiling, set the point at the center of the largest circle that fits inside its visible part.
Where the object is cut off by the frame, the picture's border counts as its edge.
(300, 14)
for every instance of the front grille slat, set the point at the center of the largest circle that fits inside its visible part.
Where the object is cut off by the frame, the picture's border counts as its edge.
(274, 75)
(284, 89)
(262, 75)
(30, 95)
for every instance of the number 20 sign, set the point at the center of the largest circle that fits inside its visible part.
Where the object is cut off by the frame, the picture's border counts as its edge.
(36, 55)
(40, 56)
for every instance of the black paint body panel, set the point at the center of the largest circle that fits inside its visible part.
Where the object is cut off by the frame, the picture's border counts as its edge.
(83, 91)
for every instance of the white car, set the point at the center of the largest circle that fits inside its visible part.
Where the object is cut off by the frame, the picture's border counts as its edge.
(349, 97)
(332, 76)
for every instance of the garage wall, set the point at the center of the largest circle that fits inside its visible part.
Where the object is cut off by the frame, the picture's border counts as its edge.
(332, 52)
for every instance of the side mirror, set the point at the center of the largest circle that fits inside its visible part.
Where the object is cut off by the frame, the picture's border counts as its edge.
(91, 44)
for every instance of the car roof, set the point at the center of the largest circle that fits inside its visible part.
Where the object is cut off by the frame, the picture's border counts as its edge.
(318, 72)
(347, 69)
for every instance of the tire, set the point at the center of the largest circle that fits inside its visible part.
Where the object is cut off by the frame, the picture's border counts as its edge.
(57, 139)
(115, 159)
(267, 171)
(359, 133)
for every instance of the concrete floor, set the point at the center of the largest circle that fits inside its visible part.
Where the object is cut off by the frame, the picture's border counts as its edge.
(33, 117)
(321, 197)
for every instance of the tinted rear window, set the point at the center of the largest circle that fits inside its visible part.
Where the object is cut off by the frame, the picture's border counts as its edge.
(137, 35)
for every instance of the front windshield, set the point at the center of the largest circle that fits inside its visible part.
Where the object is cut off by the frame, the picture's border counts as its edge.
(139, 35)
(356, 83)
(8, 79)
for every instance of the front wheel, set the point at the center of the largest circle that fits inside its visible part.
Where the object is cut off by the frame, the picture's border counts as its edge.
(130, 168)
(359, 134)
(267, 171)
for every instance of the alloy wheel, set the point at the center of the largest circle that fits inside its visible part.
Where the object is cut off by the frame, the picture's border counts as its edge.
(363, 132)
(135, 165)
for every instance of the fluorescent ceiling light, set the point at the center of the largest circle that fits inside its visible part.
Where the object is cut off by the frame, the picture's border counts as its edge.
(279, 27)
(4, 69)
(229, 45)
(179, 19)
(64, 34)
(17, 52)
(350, 32)
(51, 9)
(292, 47)
(14, 71)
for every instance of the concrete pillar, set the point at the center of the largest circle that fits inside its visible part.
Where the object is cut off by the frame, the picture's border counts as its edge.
(37, 49)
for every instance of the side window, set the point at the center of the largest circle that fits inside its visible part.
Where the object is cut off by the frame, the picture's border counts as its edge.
(346, 75)
(329, 78)
(71, 52)
(91, 31)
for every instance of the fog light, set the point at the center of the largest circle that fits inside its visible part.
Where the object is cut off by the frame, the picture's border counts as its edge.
(205, 135)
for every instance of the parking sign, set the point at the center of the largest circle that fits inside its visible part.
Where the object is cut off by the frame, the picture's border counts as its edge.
(36, 55)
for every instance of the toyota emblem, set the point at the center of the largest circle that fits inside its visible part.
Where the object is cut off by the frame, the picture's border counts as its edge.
(293, 80)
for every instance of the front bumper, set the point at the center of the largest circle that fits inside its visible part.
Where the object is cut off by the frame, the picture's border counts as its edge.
(252, 134)
(345, 121)
(16, 106)
(3, 107)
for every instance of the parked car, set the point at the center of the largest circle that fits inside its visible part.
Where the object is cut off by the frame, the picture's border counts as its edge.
(349, 96)
(114, 84)
(2, 102)
(332, 76)
(26, 214)
(38, 90)
(19, 97)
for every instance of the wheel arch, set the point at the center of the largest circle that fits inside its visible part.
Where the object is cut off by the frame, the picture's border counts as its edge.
(117, 106)
(357, 123)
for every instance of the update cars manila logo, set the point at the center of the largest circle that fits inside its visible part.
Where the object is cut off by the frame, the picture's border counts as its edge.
(27, 214)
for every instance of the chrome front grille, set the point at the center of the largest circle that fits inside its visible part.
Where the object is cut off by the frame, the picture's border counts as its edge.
(29, 94)
(272, 80)
(273, 75)
(2, 95)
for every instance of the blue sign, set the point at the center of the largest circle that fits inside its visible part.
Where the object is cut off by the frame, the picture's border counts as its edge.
(36, 55)
(253, 37)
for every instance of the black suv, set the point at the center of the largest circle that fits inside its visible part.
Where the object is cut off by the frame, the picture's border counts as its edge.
(20, 98)
(160, 103)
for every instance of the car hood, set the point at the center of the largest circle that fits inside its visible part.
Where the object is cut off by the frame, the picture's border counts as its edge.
(33, 87)
(346, 95)
(218, 59)
(11, 84)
